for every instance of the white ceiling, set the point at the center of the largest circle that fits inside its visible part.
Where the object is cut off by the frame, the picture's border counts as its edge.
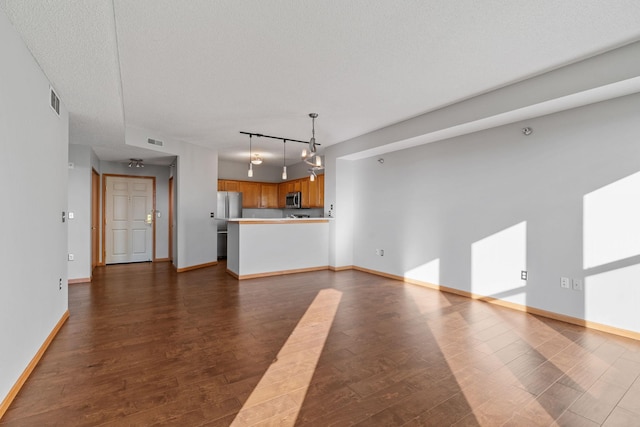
(201, 71)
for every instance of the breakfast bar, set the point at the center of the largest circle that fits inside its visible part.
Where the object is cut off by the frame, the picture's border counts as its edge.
(269, 247)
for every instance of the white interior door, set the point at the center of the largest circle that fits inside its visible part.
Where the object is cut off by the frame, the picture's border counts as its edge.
(129, 219)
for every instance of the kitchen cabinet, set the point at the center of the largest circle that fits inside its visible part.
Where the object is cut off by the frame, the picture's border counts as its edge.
(254, 194)
(316, 192)
(268, 195)
(304, 188)
(228, 185)
(251, 193)
(273, 195)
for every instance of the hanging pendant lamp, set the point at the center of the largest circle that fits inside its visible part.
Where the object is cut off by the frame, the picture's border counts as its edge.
(250, 172)
(284, 159)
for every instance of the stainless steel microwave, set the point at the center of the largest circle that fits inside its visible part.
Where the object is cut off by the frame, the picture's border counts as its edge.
(294, 200)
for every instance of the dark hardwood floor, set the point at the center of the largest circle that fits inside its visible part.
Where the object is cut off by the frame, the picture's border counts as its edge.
(147, 346)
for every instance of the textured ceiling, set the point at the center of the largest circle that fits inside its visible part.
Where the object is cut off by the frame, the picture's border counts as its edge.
(201, 71)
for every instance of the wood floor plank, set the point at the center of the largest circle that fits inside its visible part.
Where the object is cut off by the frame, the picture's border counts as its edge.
(147, 346)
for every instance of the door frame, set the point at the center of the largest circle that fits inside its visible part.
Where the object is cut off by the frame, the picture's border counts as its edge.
(170, 252)
(104, 206)
(95, 220)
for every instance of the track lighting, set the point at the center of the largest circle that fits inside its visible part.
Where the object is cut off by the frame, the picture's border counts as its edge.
(309, 155)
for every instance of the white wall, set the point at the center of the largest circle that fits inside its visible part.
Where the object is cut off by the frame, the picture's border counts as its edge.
(238, 171)
(33, 252)
(79, 227)
(470, 212)
(197, 198)
(196, 181)
(262, 173)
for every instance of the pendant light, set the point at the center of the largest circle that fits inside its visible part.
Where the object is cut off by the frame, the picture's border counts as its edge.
(250, 172)
(284, 159)
(310, 155)
(256, 159)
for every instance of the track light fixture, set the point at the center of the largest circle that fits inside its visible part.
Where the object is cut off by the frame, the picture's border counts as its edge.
(136, 163)
(309, 156)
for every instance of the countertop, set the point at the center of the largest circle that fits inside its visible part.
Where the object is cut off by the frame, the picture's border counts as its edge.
(278, 220)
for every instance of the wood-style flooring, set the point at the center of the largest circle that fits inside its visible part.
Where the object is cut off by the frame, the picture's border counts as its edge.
(147, 346)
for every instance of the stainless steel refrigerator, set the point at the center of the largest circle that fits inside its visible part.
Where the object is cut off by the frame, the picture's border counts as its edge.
(229, 206)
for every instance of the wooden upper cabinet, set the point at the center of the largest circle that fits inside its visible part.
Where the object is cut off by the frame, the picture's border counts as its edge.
(282, 195)
(269, 195)
(273, 195)
(316, 192)
(228, 185)
(320, 199)
(304, 188)
(250, 194)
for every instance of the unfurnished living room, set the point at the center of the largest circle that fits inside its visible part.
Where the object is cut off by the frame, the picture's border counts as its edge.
(374, 213)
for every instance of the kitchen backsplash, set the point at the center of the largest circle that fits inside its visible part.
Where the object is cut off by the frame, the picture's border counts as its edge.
(281, 213)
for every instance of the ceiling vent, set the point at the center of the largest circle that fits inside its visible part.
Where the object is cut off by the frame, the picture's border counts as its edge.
(155, 142)
(55, 101)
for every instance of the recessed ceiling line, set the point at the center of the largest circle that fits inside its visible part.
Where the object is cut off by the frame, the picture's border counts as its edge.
(120, 86)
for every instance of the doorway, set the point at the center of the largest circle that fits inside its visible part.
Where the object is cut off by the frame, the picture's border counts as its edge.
(171, 219)
(95, 219)
(129, 219)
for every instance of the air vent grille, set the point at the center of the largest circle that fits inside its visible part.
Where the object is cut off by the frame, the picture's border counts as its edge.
(155, 142)
(55, 102)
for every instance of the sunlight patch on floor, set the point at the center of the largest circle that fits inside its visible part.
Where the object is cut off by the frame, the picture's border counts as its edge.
(279, 395)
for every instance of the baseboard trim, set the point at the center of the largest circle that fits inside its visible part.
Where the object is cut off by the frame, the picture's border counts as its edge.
(81, 280)
(31, 366)
(195, 267)
(162, 260)
(343, 268)
(524, 308)
(276, 273)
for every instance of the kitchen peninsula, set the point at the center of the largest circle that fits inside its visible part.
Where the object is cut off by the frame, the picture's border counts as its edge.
(269, 247)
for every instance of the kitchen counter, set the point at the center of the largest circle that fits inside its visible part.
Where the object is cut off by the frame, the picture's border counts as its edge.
(278, 220)
(260, 247)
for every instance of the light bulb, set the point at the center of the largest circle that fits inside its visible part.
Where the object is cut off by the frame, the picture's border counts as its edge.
(284, 172)
(304, 153)
(250, 173)
(312, 177)
(318, 161)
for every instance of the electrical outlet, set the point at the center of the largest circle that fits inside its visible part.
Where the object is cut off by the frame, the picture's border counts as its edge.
(71, 257)
(60, 283)
(577, 285)
(565, 282)
(380, 252)
(523, 275)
